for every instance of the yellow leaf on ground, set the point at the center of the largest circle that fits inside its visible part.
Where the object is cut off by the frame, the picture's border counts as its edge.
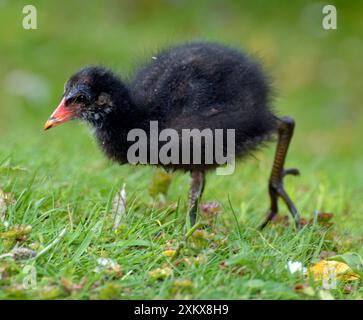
(325, 270)
(169, 252)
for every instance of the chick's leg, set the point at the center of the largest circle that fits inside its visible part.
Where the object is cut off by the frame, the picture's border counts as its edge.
(195, 193)
(285, 130)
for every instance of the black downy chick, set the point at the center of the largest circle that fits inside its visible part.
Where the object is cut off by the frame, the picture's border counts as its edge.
(192, 86)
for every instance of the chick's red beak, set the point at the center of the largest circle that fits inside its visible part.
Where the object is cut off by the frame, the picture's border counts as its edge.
(60, 115)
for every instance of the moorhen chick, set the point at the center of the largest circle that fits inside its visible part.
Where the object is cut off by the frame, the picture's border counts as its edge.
(196, 85)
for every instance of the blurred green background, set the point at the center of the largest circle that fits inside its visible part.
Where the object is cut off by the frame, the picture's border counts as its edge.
(316, 74)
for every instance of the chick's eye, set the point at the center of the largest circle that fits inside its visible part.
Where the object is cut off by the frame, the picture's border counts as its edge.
(80, 99)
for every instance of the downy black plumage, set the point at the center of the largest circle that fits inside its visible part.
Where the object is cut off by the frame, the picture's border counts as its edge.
(192, 86)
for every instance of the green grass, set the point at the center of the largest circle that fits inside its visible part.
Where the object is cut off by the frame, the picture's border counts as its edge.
(60, 180)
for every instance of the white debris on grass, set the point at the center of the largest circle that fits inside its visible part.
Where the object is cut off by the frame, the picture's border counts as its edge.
(119, 207)
(105, 263)
(295, 266)
(5, 200)
(3, 206)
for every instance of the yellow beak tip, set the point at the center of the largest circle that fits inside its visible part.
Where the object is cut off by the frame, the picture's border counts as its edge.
(48, 125)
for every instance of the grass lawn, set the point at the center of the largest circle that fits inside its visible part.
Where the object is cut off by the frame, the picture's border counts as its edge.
(57, 190)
